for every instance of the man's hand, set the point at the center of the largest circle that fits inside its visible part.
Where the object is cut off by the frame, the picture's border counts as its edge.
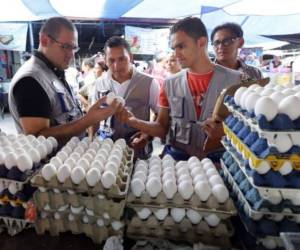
(124, 116)
(139, 140)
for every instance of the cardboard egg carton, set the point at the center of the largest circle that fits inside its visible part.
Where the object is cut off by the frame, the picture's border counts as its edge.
(13, 226)
(253, 122)
(56, 226)
(118, 190)
(161, 201)
(99, 204)
(183, 231)
(275, 161)
(265, 192)
(248, 209)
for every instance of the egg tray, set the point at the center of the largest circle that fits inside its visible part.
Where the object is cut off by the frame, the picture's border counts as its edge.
(248, 209)
(183, 231)
(98, 203)
(118, 190)
(21, 179)
(13, 226)
(275, 161)
(266, 192)
(194, 202)
(57, 226)
(261, 124)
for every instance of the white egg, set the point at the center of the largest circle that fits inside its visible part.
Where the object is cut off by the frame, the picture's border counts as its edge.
(98, 164)
(155, 169)
(283, 143)
(169, 170)
(194, 165)
(200, 177)
(62, 156)
(12, 188)
(24, 162)
(267, 107)
(153, 187)
(108, 179)
(154, 175)
(267, 92)
(77, 175)
(76, 210)
(121, 142)
(117, 225)
(212, 220)
(215, 179)
(56, 161)
(238, 94)
(83, 144)
(286, 168)
(10, 160)
(93, 176)
(141, 168)
(144, 213)
(275, 198)
(100, 157)
(207, 166)
(113, 167)
(35, 155)
(203, 190)
(84, 163)
(220, 192)
(278, 87)
(168, 176)
(137, 187)
(110, 98)
(253, 86)
(80, 150)
(186, 189)
(168, 158)
(114, 158)
(184, 177)
(41, 138)
(177, 214)
(71, 162)
(269, 243)
(288, 92)
(49, 147)
(88, 157)
(140, 175)
(169, 188)
(194, 216)
(100, 222)
(48, 171)
(244, 98)
(290, 106)
(94, 145)
(63, 173)
(251, 100)
(182, 171)
(161, 214)
(211, 172)
(263, 167)
(193, 159)
(42, 150)
(75, 156)
(277, 96)
(121, 100)
(181, 164)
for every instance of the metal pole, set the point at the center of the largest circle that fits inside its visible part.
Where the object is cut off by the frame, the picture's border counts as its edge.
(31, 38)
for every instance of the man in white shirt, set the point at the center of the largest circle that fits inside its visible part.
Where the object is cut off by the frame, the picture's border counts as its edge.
(139, 90)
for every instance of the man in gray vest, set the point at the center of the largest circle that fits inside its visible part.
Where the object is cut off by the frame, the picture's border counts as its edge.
(40, 100)
(139, 90)
(187, 98)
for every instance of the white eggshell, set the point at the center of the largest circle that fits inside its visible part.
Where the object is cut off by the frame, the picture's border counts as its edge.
(278, 88)
(269, 243)
(41, 138)
(77, 174)
(253, 86)
(296, 139)
(48, 171)
(184, 177)
(169, 188)
(63, 173)
(244, 98)
(153, 187)
(283, 143)
(10, 160)
(194, 216)
(80, 150)
(100, 222)
(181, 164)
(193, 159)
(94, 145)
(137, 187)
(212, 220)
(161, 214)
(186, 189)
(220, 192)
(288, 92)
(12, 188)
(84, 163)
(88, 157)
(177, 214)
(113, 167)
(275, 198)
(267, 107)
(168, 176)
(140, 175)
(117, 225)
(215, 179)
(49, 147)
(277, 96)
(98, 164)
(290, 106)
(203, 190)
(62, 155)
(71, 162)
(251, 101)
(56, 161)
(108, 179)
(76, 210)
(121, 142)
(144, 213)
(110, 98)
(238, 94)
(194, 165)
(267, 92)
(24, 162)
(168, 158)
(286, 168)
(263, 167)
(121, 100)
(93, 176)
(75, 156)
(211, 172)
(200, 177)
(154, 175)
(208, 165)
(35, 155)
(182, 171)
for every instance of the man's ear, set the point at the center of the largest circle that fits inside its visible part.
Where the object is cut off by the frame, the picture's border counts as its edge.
(241, 42)
(44, 39)
(202, 42)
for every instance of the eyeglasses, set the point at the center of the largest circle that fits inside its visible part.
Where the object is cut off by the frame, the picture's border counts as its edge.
(65, 46)
(225, 42)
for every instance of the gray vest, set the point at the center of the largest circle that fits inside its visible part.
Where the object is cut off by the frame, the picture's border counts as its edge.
(63, 104)
(136, 97)
(185, 132)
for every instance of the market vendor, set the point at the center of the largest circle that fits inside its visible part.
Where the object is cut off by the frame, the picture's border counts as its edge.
(187, 99)
(40, 100)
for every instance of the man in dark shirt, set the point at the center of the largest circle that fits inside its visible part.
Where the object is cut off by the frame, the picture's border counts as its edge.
(40, 99)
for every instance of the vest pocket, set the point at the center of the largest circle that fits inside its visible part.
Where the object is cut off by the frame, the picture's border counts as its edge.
(181, 132)
(177, 106)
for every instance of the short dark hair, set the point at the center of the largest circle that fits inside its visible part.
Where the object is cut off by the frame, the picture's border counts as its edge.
(234, 28)
(53, 26)
(192, 26)
(116, 41)
(102, 65)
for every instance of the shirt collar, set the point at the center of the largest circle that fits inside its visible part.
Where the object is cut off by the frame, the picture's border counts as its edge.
(109, 75)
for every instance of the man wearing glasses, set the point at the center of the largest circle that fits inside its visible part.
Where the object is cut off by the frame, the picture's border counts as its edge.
(40, 100)
(227, 39)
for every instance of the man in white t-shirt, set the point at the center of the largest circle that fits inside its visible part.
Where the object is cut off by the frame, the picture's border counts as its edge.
(139, 90)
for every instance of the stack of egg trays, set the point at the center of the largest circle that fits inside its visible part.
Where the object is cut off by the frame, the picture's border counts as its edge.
(252, 219)
(137, 230)
(184, 230)
(275, 161)
(266, 193)
(16, 205)
(58, 222)
(55, 195)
